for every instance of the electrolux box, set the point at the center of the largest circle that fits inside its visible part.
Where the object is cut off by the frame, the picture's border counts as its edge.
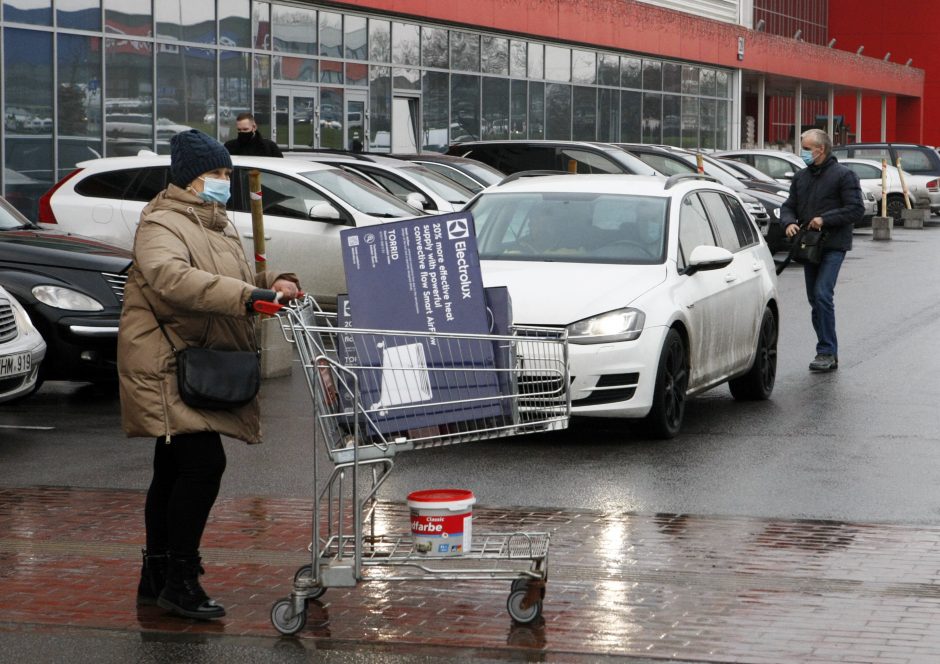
(420, 275)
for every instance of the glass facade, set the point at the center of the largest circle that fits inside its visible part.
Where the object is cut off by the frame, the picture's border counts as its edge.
(89, 78)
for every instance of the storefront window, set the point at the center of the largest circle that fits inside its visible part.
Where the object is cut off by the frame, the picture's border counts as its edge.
(194, 24)
(356, 38)
(331, 71)
(331, 35)
(495, 108)
(672, 77)
(434, 51)
(584, 117)
(261, 25)
(128, 17)
(464, 107)
(380, 40)
(34, 12)
(690, 122)
(536, 63)
(464, 51)
(295, 29)
(708, 83)
(406, 79)
(79, 92)
(234, 90)
(721, 133)
(690, 79)
(536, 110)
(672, 112)
(608, 115)
(518, 104)
(380, 101)
(128, 105)
(608, 70)
(631, 117)
(261, 84)
(652, 75)
(295, 69)
(78, 14)
(583, 67)
(186, 94)
(721, 81)
(494, 53)
(406, 44)
(357, 74)
(707, 113)
(558, 111)
(435, 110)
(557, 63)
(331, 118)
(652, 118)
(235, 23)
(517, 59)
(631, 73)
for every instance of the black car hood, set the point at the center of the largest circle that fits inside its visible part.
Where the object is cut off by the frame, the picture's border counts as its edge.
(36, 247)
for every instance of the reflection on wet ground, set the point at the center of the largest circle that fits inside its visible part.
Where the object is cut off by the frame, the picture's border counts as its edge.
(663, 585)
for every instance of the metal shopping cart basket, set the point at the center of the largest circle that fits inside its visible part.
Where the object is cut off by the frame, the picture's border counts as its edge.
(377, 393)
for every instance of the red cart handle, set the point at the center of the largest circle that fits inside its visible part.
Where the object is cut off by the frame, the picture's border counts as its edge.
(271, 308)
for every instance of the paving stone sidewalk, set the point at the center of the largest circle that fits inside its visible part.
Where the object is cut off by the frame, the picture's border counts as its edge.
(710, 589)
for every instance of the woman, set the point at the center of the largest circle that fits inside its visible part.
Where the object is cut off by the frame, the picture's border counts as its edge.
(190, 285)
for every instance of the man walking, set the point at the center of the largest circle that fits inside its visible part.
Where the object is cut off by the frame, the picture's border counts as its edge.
(249, 141)
(823, 196)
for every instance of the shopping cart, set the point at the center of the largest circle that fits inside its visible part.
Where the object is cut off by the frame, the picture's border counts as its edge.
(377, 393)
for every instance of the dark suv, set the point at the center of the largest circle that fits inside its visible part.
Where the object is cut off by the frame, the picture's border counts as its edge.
(915, 159)
(565, 156)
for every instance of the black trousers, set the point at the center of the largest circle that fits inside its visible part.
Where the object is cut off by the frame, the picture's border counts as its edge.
(187, 474)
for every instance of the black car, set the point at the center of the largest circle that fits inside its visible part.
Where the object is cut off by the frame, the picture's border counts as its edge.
(73, 288)
(472, 174)
(566, 156)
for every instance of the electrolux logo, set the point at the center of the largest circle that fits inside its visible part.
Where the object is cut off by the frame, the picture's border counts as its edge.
(457, 229)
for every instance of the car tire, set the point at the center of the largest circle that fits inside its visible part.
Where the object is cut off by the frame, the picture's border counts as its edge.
(758, 383)
(669, 393)
(895, 207)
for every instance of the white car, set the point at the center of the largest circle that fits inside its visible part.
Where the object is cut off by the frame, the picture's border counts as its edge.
(21, 349)
(918, 186)
(666, 287)
(305, 207)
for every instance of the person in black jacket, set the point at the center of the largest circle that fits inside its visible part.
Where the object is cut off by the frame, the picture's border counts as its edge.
(249, 141)
(823, 196)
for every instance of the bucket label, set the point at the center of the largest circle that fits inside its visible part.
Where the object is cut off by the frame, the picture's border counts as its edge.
(440, 534)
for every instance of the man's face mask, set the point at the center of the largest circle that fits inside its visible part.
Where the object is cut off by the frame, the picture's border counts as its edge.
(244, 137)
(807, 156)
(215, 190)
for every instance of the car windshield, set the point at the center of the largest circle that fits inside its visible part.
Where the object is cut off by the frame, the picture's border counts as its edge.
(449, 190)
(359, 194)
(571, 227)
(482, 172)
(11, 219)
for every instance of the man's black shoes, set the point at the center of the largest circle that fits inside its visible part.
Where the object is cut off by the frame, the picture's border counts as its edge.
(824, 363)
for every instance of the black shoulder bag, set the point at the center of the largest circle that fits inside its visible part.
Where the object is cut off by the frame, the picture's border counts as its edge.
(806, 249)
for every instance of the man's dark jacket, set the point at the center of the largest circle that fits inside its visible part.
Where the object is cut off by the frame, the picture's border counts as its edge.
(828, 190)
(256, 147)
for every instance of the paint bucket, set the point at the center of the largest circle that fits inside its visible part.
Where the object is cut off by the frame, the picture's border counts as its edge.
(441, 521)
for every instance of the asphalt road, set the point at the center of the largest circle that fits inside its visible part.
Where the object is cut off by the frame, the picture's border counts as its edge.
(858, 444)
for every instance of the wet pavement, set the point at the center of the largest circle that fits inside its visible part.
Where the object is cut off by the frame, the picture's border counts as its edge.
(682, 588)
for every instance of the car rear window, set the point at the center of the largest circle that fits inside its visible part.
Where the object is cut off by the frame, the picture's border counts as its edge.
(111, 184)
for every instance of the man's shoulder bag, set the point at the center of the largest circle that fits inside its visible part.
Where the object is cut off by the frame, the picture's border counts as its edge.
(806, 248)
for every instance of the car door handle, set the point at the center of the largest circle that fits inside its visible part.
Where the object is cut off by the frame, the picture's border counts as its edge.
(757, 267)
(730, 278)
(251, 236)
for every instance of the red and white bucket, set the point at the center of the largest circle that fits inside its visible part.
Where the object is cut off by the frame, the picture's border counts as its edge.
(441, 521)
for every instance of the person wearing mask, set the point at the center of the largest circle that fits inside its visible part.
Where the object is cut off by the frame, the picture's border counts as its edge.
(249, 141)
(190, 285)
(823, 196)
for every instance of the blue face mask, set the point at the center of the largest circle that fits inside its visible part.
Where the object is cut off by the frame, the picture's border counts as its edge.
(215, 190)
(807, 156)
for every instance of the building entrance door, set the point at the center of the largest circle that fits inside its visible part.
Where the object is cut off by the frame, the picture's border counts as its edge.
(296, 118)
(405, 124)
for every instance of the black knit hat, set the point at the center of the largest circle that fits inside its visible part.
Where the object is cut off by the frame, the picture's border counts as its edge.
(193, 153)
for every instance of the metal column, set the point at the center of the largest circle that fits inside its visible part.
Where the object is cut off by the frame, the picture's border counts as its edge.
(858, 116)
(761, 110)
(798, 118)
(831, 121)
(884, 118)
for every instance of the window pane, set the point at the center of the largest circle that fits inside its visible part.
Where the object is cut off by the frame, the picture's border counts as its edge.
(672, 110)
(234, 23)
(708, 82)
(380, 101)
(435, 110)
(557, 63)
(79, 121)
(78, 14)
(558, 111)
(464, 107)
(261, 25)
(331, 118)
(743, 226)
(464, 51)
(707, 125)
(690, 79)
(631, 73)
(672, 77)
(129, 90)
(434, 47)
(536, 110)
(494, 53)
(517, 59)
(518, 104)
(721, 132)
(36, 12)
(608, 70)
(694, 230)
(495, 108)
(356, 38)
(196, 24)
(295, 29)
(690, 122)
(261, 79)
(380, 40)
(234, 90)
(608, 115)
(128, 17)
(295, 69)
(652, 75)
(536, 61)
(186, 89)
(652, 118)
(406, 79)
(721, 79)
(331, 71)
(28, 117)
(406, 45)
(583, 67)
(331, 35)
(585, 109)
(721, 220)
(631, 104)
(357, 74)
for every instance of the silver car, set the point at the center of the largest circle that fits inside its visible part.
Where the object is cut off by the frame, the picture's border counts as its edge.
(21, 350)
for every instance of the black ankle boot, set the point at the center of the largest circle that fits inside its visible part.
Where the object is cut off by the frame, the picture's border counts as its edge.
(182, 593)
(152, 577)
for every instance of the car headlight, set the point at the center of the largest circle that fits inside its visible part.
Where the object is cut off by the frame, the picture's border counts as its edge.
(870, 195)
(776, 213)
(66, 298)
(23, 322)
(619, 325)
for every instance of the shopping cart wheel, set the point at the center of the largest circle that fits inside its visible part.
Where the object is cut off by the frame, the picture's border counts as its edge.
(522, 583)
(303, 574)
(285, 620)
(517, 613)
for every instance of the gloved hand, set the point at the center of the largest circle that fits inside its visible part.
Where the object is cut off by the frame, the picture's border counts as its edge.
(260, 295)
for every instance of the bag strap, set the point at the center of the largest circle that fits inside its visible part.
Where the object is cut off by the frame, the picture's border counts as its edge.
(786, 261)
(160, 325)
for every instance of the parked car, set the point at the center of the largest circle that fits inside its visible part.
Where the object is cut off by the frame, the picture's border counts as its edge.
(21, 350)
(411, 183)
(305, 206)
(778, 164)
(924, 190)
(567, 156)
(469, 173)
(761, 204)
(72, 288)
(915, 159)
(665, 287)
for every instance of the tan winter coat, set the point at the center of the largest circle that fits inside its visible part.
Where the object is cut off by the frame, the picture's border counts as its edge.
(195, 277)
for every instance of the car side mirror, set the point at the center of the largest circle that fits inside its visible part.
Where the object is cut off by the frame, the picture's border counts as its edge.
(417, 201)
(324, 212)
(705, 257)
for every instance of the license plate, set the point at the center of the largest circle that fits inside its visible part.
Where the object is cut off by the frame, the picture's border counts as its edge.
(14, 365)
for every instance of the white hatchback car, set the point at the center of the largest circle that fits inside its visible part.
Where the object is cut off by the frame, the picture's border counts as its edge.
(21, 349)
(305, 207)
(666, 287)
